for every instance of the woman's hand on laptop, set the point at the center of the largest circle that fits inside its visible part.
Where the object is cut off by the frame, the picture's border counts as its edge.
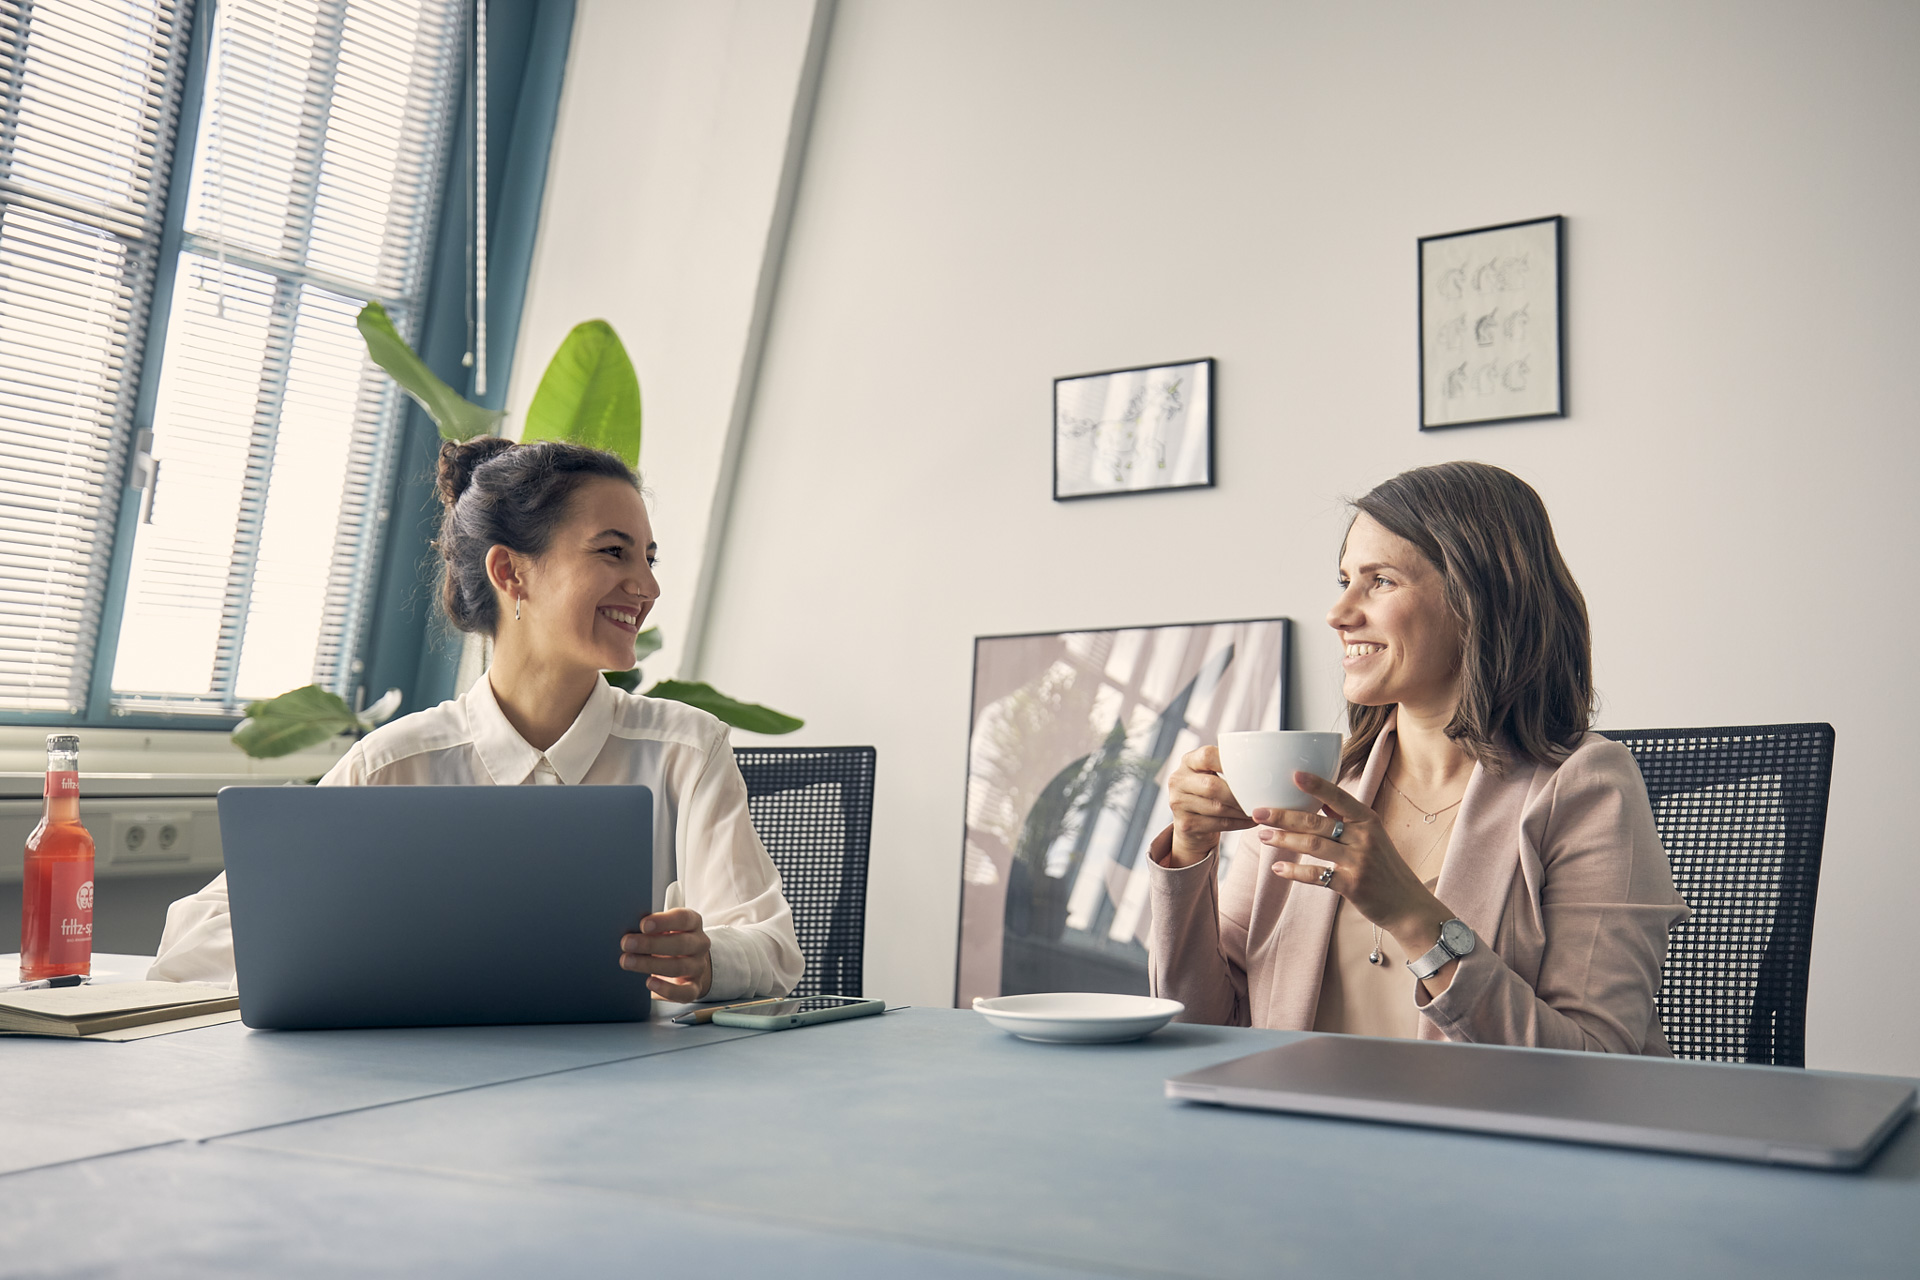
(671, 947)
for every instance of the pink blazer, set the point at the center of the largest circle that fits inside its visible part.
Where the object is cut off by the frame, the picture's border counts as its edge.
(1558, 868)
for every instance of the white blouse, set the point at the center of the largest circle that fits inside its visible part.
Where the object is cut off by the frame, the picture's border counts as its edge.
(701, 825)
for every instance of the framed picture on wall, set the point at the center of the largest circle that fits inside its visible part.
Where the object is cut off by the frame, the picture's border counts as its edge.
(1133, 430)
(1493, 341)
(1073, 737)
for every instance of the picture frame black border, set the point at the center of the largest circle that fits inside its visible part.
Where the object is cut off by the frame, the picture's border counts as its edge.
(973, 693)
(1213, 388)
(1559, 222)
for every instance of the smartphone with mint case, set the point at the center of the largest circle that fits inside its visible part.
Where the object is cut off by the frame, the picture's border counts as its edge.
(798, 1012)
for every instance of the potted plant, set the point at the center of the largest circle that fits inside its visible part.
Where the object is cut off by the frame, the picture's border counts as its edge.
(588, 395)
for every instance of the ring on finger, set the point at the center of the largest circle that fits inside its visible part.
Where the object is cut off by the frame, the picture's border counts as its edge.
(1339, 829)
(1326, 877)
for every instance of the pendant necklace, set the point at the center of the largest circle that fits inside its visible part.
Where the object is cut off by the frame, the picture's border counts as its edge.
(1424, 815)
(1375, 956)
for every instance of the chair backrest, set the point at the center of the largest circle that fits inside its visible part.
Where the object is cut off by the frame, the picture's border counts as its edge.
(813, 808)
(1743, 815)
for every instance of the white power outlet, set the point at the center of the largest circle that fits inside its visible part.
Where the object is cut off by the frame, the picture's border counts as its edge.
(157, 836)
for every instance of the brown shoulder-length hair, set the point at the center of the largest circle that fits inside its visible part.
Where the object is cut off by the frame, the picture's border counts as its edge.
(1526, 677)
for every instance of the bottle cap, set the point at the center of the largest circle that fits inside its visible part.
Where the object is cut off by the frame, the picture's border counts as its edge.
(63, 742)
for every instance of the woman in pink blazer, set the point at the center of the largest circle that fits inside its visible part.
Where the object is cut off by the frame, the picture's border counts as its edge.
(1480, 836)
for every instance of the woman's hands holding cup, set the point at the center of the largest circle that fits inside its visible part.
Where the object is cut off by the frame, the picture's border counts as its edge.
(1367, 870)
(1203, 808)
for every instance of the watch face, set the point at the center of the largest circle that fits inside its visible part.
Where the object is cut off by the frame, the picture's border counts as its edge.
(1457, 936)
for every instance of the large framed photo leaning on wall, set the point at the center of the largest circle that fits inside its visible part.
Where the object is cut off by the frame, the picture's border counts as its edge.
(1073, 737)
(1133, 430)
(1493, 334)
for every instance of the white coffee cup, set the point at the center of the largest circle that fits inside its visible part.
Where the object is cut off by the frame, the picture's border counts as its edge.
(1259, 766)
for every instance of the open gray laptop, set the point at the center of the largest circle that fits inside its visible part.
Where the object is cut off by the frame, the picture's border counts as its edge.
(1778, 1115)
(436, 906)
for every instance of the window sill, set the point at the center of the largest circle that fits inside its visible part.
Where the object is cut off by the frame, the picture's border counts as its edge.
(153, 761)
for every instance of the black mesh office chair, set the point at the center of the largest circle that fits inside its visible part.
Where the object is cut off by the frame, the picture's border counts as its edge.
(813, 808)
(1743, 814)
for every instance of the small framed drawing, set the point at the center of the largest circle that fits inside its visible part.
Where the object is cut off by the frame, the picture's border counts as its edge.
(1133, 430)
(1493, 334)
(1074, 736)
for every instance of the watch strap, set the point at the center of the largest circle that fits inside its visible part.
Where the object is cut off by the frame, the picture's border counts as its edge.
(1436, 959)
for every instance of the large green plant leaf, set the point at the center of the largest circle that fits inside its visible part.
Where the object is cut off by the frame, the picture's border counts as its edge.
(741, 715)
(303, 718)
(589, 394)
(457, 417)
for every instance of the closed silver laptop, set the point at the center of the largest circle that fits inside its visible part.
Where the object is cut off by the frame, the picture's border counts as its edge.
(436, 906)
(1778, 1115)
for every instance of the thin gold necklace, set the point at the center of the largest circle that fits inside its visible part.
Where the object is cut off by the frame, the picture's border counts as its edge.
(1424, 815)
(1375, 956)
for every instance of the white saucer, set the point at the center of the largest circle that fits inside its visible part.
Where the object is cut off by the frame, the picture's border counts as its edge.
(1078, 1017)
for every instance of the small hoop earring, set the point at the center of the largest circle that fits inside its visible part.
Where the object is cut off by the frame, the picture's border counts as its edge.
(516, 609)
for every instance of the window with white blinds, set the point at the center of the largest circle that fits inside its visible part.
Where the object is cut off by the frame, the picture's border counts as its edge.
(322, 144)
(91, 94)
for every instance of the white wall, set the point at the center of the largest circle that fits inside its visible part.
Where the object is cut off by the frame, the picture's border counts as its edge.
(998, 193)
(661, 192)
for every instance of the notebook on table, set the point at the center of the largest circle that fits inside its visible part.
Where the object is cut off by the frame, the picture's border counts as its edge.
(115, 1011)
(436, 906)
(1777, 1115)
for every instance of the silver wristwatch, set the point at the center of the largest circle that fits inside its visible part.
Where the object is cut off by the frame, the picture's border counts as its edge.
(1456, 940)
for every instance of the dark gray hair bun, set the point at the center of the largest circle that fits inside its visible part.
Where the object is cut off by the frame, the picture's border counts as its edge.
(459, 459)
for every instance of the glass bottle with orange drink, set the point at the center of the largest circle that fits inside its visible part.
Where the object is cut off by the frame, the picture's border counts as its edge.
(56, 902)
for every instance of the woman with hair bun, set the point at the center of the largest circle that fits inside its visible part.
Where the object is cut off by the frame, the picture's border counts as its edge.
(1480, 837)
(546, 547)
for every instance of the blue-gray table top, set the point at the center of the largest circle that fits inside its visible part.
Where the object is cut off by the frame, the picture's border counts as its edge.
(923, 1142)
(73, 1099)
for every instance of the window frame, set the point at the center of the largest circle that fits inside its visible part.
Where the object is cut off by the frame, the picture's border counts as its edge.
(195, 16)
(186, 152)
(403, 647)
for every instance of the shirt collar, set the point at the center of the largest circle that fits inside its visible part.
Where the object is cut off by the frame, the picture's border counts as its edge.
(586, 737)
(510, 760)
